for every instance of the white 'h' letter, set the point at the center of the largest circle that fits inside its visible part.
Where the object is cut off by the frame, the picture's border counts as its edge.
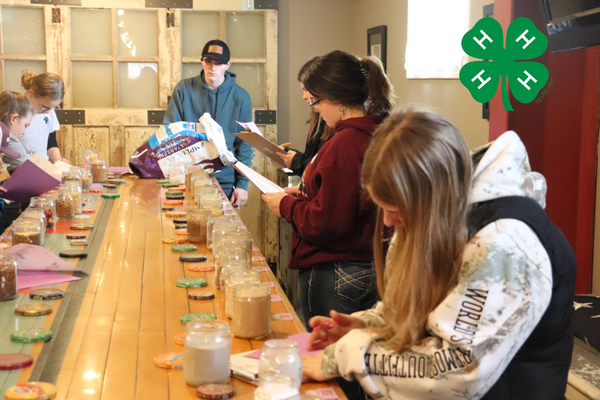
(483, 39)
(478, 76)
(529, 77)
(528, 42)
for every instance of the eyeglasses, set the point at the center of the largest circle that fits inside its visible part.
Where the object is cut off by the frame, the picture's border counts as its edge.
(45, 108)
(313, 102)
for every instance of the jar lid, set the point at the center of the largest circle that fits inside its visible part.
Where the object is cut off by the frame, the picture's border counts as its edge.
(173, 202)
(181, 227)
(180, 220)
(73, 253)
(31, 335)
(200, 267)
(48, 389)
(12, 361)
(175, 214)
(170, 185)
(47, 294)
(172, 240)
(191, 282)
(180, 339)
(193, 257)
(216, 391)
(181, 232)
(163, 181)
(184, 248)
(175, 197)
(33, 309)
(110, 195)
(23, 391)
(197, 316)
(116, 181)
(82, 227)
(200, 295)
(109, 186)
(174, 193)
(76, 235)
(169, 360)
(79, 242)
(168, 208)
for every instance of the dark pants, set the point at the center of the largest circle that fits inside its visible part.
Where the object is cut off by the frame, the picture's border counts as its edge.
(345, 287)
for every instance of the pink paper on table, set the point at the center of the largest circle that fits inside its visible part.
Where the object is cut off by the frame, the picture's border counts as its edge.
(301, 339)
(97, 186)
(28, 181)
(28, 279)
(119, 170)
(36, 258)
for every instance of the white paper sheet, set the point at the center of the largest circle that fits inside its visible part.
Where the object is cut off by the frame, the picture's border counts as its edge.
(262, 183)
(55, 170)
(250, 125)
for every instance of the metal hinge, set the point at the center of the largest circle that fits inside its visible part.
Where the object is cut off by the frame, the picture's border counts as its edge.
(70, 117)
(170, 19)
(265, 117)
(155, 117)
(265, 4)
(169, 4)
(58, 2)
(56, 15)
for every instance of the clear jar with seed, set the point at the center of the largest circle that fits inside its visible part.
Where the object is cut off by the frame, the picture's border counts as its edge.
(99, 171)
(196, 225)
(241, 238)
(86, 178)
(210, 223)
(8, 277)
(251, 311)
(27, 231)
(50, 206)
(64, 203)
(36, 214)
(235, 278)
(76, 194)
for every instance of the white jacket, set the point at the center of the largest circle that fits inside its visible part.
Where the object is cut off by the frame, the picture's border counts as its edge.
(504, 288)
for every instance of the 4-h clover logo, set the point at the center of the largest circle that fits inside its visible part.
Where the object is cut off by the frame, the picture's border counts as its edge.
(523, 42)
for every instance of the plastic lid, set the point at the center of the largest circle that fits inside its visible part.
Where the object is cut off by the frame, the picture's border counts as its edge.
(198, 316)
(181, 232)
(23, 391)
(33, 309)
(48, 389)
(180, 339)
(173, 240)
(216, 391)
(110, 195)
(201, 295)
(169, 360)
(200, 267)
(47, 294)
(191, 282)
(11, 361)
(82, 227)
(193, 257)
(173, 202)
(31, 335)
(184, 248)
(175, 214)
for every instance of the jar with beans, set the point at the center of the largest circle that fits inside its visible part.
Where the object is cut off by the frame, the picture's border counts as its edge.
(8, 277)
(99, 171)
(64, 203)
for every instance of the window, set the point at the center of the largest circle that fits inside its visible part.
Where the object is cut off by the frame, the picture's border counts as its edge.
(435, 30)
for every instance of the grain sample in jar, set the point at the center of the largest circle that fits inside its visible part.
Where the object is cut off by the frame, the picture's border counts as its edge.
(196, 225)
(251, 317)
(228, 267)
(8, 277)
(189, 171)
(76, 194)
(234, 278)
(88, 157)
(228, 253)
(241, 238)
(64, 203)
(68, 176)
(27, 231)
(207, 348)
(86, 178)
(99, 171)
(50, 210)
(177, 172)
(219, 230)
(37, 215)
(210, 224)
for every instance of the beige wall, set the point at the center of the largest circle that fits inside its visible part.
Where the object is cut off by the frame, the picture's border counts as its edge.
(306, 28)
(311, 27)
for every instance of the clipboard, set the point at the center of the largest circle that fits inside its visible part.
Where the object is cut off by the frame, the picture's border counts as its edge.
(263, 145)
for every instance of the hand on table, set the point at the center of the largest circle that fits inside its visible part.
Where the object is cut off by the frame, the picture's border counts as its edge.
(311, 367)
(287, 157)
(329, 330)
(239, 197)
(273, 200)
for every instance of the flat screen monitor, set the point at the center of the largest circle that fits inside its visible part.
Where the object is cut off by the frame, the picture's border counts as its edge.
(571, 24)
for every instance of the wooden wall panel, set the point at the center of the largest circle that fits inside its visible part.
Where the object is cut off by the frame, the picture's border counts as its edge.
(252, 213)
(93, 138)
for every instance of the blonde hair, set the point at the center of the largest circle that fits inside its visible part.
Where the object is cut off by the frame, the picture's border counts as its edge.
(14, 103)
(419, 163)
(46, 85)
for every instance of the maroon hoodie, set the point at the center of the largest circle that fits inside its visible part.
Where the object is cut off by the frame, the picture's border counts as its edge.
(333, 219)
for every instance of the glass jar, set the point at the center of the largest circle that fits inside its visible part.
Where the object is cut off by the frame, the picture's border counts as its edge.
(198, 174)
(281, 356)
(206, 353)
(219, 230)
(68, 176)
(196, 225)
(225, 254)
(88, 157)
(50, 210)
(64, 204)
(177, 172)
(76, 194)
(201, 182)
(274, 386)
(210, 224)
(229, 266)
(206, 193)
(38, 203)
(36, 214)
(86, 178)
(99, 171)
(27, 231)
(188, 175)
(234, 278)
(8, 277)
(251, 311)
(241, 238)
(208, 202)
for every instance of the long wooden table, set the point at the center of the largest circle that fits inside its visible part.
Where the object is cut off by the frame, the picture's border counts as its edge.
(125, 311)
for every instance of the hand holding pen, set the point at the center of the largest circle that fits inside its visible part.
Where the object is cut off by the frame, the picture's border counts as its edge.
(329, 330)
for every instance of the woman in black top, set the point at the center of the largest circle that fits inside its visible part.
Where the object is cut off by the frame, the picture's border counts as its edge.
(318, 132)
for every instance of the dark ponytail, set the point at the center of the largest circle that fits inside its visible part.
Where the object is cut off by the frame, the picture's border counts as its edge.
(380, 93)
(345, 79)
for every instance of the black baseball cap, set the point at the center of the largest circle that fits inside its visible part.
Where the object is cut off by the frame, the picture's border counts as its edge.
(216, 50)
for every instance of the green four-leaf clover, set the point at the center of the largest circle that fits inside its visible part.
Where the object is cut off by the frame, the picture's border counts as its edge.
(523, 42)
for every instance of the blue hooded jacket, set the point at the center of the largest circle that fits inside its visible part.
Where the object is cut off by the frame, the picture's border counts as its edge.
(228, 103)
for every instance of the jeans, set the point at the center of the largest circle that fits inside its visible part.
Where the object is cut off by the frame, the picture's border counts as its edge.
(345, 287)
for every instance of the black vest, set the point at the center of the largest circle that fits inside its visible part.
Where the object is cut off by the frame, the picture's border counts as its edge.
(539, 369)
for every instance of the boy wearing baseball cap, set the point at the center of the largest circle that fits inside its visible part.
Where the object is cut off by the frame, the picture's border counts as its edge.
(215, 91)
